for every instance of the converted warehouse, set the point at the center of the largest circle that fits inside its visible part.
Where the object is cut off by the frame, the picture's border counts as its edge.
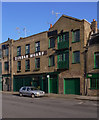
(52, 60)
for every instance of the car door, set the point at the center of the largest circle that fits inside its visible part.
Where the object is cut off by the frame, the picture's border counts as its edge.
(28, 92)
(24, 90)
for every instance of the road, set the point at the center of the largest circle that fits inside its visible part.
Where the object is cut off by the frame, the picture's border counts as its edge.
(45, 107)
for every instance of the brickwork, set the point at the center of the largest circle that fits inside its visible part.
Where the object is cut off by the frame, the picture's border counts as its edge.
(75, 70)
(64, 24)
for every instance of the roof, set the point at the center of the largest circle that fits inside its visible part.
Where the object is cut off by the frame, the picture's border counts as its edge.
(21, 38)
(69, 17)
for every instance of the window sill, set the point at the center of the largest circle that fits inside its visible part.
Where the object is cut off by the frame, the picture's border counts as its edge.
(36, 69)
(27, 54)
(51, 66)
(18, 71)
(18, 55)
(76, 63)
(75, 41)
(94, 88)
(95, 68)
(27, 70)
(51, 47)
(37, 51)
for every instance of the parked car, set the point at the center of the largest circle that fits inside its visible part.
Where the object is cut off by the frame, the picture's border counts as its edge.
(31, 91)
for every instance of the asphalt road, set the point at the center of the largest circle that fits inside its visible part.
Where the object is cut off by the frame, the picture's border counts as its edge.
(14, 106)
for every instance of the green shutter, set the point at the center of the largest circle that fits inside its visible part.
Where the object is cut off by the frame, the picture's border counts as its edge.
(49, 43)
(72, 57)
(72, 36)
(49, 62)
(64, 56)
(58, 39)
(17, 66)
(94, 60)
(25, 65)
(64, 37)
(17, 51)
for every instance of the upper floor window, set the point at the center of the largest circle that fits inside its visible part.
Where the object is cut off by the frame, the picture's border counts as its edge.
(6, 66)
(6, 52)
(51, 61)
(52, 42)
(37, 63)
(63, 56)
(27, 65)
(96, 60)
(19, 51)
(63, 37)
(37, 46)
(76, 36)
(19, 66)
(76, 57)
(27, 49)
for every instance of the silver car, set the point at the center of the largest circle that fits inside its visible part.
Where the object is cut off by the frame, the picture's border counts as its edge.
(31, 91)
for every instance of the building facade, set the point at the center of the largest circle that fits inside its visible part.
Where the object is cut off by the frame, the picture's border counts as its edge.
(72, 36)
(92, 81)
(53, 61)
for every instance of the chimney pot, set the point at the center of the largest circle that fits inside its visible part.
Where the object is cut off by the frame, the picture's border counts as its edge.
(50, 25)
(93, 20)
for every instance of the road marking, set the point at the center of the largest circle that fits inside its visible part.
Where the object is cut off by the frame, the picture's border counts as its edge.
(36, 98)
(80, 103)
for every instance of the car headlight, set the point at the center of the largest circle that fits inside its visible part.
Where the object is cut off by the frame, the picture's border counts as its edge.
(37, 93)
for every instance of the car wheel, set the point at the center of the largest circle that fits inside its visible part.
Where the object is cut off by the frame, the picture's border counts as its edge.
(32, 95)
(21, 95)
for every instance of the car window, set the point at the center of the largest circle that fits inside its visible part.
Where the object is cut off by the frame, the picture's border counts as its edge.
(28, 89)
(24, 88)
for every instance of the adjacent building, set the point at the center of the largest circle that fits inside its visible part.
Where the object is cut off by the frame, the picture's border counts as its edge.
(55, 61)
(92, 81)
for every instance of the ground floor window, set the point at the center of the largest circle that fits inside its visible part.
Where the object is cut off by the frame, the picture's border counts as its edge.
(94, 83)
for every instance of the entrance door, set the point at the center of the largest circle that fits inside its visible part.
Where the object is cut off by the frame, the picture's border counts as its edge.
(72, 86)
(53, 84)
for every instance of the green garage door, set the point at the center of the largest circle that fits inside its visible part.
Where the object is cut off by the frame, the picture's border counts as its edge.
(53, 84)
(72, 86)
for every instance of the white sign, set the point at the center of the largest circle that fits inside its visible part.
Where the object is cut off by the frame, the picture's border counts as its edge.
(30, 56)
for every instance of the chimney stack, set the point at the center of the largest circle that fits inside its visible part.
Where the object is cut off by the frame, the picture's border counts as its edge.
(50, 25)
(94, 26)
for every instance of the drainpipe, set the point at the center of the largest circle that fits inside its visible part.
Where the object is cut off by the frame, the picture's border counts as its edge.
(85, 71)
(11, 63)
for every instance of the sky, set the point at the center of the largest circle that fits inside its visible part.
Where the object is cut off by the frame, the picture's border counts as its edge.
(37, 16)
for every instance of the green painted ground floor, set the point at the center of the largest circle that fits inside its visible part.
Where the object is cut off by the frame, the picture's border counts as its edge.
(49, 82)
(94, 80)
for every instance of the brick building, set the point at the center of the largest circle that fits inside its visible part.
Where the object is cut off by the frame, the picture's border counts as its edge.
(92, 55)
(53, 60)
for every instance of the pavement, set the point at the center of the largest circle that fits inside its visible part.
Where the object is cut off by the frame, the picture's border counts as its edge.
(66, 96)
